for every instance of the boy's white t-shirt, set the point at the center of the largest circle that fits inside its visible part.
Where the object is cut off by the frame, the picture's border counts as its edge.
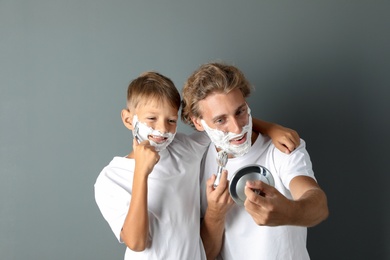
(173, 199)
(243, 238)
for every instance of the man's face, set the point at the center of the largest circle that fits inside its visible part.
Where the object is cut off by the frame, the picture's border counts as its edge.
(227, 113)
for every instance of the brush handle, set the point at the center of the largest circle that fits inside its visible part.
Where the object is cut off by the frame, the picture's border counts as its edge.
(219, 172)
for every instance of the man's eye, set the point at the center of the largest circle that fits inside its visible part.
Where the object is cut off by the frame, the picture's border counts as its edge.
(241, 111)
(219, 121)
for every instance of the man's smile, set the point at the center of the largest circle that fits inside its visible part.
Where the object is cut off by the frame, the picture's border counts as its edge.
(238, 140)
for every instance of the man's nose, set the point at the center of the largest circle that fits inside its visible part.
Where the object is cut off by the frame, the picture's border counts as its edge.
(235, 126)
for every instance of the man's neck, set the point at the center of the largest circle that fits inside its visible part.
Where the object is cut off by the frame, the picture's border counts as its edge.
(254, 137)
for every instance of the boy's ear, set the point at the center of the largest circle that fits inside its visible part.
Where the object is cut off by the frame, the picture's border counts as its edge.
(127, 118)
(197, 124)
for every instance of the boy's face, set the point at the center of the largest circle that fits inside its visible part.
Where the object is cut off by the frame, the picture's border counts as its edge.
(229, 114)
(155, 114)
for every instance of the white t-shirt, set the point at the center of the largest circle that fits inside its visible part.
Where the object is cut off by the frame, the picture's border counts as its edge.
(243, 238)
(173, 199)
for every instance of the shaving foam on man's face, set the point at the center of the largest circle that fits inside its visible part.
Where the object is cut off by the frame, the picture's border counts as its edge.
(223, 139)
(143, 132)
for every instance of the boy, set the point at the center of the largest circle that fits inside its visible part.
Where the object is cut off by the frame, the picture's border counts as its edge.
(151, 197)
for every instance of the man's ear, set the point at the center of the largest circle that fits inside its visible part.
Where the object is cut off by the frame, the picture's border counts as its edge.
(197, 123)
(127, 118)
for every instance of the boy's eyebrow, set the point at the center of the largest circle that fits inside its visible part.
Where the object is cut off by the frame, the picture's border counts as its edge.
(157, 113)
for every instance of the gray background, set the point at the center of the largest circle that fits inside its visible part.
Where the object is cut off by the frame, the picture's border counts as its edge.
(320, 67)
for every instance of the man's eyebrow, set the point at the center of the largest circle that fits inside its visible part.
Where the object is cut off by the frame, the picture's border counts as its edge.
(225, 115)
(218, 117)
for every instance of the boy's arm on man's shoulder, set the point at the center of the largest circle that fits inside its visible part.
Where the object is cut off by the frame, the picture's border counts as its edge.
(285, 139)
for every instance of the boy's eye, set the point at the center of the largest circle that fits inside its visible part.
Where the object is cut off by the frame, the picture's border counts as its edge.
(172, 121)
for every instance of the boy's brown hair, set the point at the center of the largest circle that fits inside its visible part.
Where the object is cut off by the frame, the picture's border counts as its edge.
(151, 86)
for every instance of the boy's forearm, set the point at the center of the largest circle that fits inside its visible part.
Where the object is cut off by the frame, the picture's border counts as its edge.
(135, 229)
(261, 126)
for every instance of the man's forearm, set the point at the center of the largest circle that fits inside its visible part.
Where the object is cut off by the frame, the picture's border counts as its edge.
(311, 208)
(212, 235)
(310, 205)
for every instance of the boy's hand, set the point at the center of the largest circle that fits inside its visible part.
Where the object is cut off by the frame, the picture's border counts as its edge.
(145, 156)
(284, 139)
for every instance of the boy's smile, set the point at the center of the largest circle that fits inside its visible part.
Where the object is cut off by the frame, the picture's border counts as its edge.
(157, 138)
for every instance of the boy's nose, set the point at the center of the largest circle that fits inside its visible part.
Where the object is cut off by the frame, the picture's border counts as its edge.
(163, 127)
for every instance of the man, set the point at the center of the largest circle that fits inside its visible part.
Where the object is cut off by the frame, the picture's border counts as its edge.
(273, 222)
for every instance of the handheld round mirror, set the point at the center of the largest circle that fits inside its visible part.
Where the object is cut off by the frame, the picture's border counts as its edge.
(248, 173)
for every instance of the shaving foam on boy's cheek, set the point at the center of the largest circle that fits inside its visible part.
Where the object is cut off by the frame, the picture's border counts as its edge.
(144, 131)
(222, 139)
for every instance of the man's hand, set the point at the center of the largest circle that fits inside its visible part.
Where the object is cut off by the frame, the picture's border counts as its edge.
(218, 199)
(266, 205)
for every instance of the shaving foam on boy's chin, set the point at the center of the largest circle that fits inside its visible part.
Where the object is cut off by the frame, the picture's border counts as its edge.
(222, 139)
(143, 132)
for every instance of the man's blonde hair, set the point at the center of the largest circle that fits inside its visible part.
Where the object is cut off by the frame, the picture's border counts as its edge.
(210, 78)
